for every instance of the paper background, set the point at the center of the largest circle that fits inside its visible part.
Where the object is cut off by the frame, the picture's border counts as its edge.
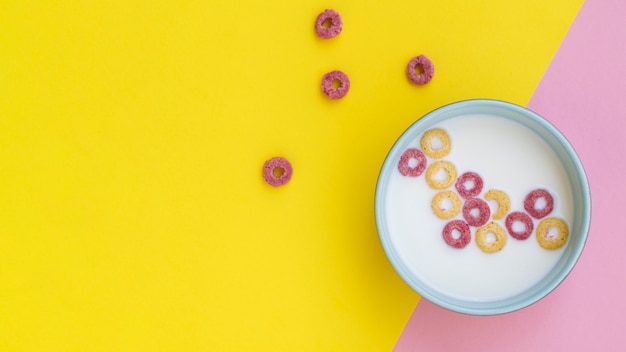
(133, 215)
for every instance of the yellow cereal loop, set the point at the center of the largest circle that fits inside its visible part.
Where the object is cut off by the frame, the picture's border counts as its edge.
(434, 168)
(504, 202)
(426, 143)
(491, 247)
(440, 211)
(548, 241)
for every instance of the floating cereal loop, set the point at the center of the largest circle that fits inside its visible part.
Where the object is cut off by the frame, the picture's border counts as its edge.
(335, 27)
(483, 212)
(427, 139)
(439, 211)
(408, 155)
(450, 170)
(460, 226)
(423, 62)
(491, 247)
(549, 242)
(469, 177)
(532, 197)
(524, 219)
(504, 202)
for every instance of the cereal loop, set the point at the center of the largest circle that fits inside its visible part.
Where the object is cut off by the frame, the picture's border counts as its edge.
(420, 62)
(404, 163)
(440, 211)
(483, 212)
(427, 139)
(334, 21)
(524, 219)
(464, 230)
(342, 88)
(277, 171)
(548, 241)
(504, 203)
(434, 168)
(469, 177)
(491, 246)
(530, 203)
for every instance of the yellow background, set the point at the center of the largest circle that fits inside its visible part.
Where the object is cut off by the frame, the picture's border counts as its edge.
(133, 214)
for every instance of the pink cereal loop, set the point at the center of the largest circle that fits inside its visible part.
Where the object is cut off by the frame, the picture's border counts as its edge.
(524, 219)
(327, 84)
(277, 164)
(471, 192)
(483, 212)
(427, 66)
(336, 24)
(406, 157)
(463, 229)
(532, 197)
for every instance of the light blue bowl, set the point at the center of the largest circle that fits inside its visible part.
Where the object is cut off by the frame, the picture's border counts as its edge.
(579, 187)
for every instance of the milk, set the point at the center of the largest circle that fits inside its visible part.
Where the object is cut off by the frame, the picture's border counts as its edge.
(509, 157)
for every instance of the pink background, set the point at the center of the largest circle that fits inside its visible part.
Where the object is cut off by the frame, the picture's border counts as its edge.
(584, 94)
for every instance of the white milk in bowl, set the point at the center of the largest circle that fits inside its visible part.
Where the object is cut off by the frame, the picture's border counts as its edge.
(509, 157)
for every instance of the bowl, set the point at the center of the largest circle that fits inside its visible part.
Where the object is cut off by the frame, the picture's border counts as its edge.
(513, 150)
